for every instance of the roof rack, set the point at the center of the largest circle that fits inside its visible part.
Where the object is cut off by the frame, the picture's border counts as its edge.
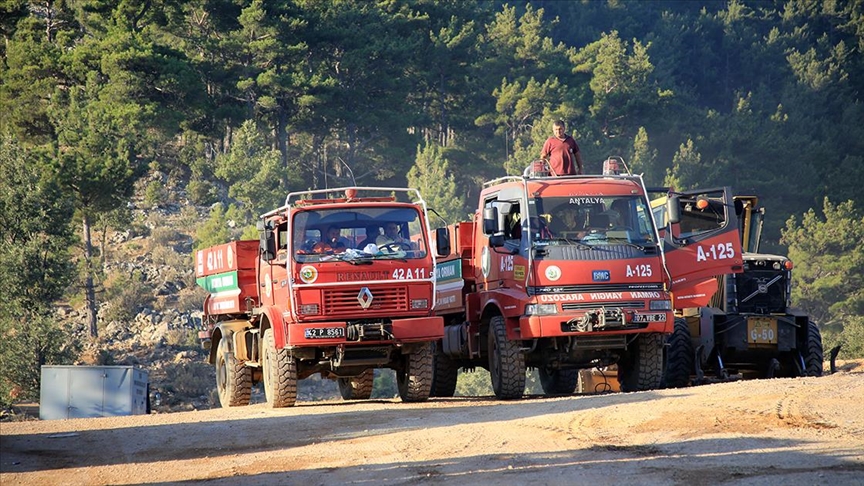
(351, 194)
(539, 169)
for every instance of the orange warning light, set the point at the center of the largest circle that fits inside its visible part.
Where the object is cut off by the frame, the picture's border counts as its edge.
(702, 204)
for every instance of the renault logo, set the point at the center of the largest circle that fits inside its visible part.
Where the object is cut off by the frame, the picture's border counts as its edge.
(365, 297)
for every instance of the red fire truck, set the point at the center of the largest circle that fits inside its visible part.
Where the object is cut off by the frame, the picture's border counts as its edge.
(337, 286)
(569, 273)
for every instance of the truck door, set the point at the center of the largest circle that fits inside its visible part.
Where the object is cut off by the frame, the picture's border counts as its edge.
(705, 242)
(274, 273)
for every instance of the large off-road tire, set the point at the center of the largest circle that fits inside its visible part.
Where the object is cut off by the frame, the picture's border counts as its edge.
(445, 375)
(679, 356)
(642, 369)
(558, 382)
(506, 362)
(813, 353)
(414, 381)
(357, 387)
(233, 378)
(280, 374)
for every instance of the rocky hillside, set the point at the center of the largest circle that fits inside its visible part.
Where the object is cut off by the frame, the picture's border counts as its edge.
(149, 304)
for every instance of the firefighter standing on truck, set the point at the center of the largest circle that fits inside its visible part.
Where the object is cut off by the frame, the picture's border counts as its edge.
(562, 152)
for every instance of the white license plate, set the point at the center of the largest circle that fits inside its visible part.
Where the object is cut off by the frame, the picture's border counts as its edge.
(660, 317)
(324, 332)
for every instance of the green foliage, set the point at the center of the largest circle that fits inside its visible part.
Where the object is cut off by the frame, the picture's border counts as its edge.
(155, 192)
(34, 271)
(126, 295)
(257, 99)
(98, 161)
(478, 383)
(685, 164)
(643, 159)
(35, 235)
(28, 341)
(201, 192)
(432, 177)
(849, 335)
(214, 231)
(828, 252)
(623, 86)
(384, 385)
(253, 171)
(475, 383)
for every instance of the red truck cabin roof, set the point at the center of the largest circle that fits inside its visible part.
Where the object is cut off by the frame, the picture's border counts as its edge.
(590, 186)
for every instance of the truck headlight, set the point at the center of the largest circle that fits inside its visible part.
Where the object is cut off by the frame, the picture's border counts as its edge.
(541, 309)
(309, 309)
(663, 305)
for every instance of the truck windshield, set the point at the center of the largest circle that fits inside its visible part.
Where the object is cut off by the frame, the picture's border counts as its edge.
(591, 220)
(358, 234)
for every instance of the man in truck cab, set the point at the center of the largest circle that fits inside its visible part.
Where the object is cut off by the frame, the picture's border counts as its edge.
(391, 235)
(372, 233)
(334, 238)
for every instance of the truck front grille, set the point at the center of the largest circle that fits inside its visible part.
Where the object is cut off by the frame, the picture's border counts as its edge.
(635, 304)
(344, 300)
(761, 291)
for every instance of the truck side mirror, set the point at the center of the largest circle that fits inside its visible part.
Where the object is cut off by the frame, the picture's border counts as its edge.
(673, 210)
(496, 241)
(266, 241)
(442, 242)
(490, 221)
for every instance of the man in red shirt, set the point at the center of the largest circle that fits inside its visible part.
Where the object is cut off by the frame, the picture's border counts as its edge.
(562, 152)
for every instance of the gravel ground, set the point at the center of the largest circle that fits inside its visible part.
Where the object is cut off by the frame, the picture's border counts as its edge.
(759, 432)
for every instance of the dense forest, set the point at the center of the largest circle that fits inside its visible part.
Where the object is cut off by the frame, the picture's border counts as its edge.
(243, 101)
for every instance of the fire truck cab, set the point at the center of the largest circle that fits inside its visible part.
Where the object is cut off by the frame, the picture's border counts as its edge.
(336, 286)
(568, 273)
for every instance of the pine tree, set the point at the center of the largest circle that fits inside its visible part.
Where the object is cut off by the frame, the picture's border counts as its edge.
(431, 176)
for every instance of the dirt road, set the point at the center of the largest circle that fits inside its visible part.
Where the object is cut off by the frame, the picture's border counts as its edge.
(789, 431)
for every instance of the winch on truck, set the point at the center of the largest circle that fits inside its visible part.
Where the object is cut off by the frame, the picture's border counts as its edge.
(336, 286)
(569, 273)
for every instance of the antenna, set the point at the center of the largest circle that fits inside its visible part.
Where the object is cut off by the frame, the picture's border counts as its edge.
(350, 172)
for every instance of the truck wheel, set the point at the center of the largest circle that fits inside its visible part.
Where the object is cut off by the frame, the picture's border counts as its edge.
(558, 382)
(280, 374)
(679, 356)
(642, 369)
(506, 362)
(415, 380)
(445, 375)
(357, 387)
(233, 378)
(813, 354)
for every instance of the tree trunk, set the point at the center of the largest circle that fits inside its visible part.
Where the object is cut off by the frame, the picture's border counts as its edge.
(282, 137)
(89, 292)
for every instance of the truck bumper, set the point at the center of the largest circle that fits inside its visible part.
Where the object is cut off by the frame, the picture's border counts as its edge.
(534, 327)
(329, 333)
